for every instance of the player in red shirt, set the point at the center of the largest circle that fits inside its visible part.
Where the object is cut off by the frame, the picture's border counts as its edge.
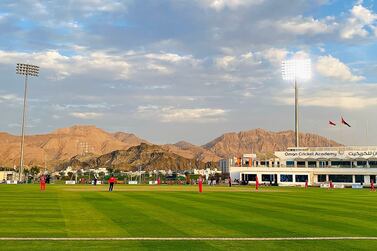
(372, 186)
(42, 181)
(112, 180)
(331, 185)
(200, 183)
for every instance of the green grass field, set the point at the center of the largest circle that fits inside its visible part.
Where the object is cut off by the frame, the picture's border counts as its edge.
(180, 211)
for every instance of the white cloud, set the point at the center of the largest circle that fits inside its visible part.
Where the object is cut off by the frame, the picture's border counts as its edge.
(363, 14)
(219, 5)
(164, 63)
(159, 68)
(306, 25)
(247, 55)
(16, 125)
(63, 66)
(173, 114)
(65, 107)
(301, 55)
(329, 66)
(356, 25)
(205, 114)
(86, 115)
(99, 5)
(7, 98)
(341, 100)
(341, 96)
(359, 22)
(173, 98)
(275, 55)
(169, 57)
(225, 62)
(114, 66)
(39, 8)
(237, 61)
(157, 87)
(3, 17)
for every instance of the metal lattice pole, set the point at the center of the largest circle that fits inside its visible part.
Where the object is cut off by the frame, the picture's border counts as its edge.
(292, 70)
(27, 70)
(296, 116)
(23, 132)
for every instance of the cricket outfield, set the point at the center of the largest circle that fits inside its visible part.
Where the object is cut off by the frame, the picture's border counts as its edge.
(77, 217)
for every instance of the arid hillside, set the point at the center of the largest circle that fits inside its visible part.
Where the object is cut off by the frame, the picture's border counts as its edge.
(63, 144)
(191, 151)
(147, 157)
(262, 141)
(78, 143)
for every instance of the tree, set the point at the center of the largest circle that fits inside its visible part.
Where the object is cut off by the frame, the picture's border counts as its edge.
(34, 171)
(79, 174)
(110, 169)
(27, 176)
(101, 175)
(70, 175)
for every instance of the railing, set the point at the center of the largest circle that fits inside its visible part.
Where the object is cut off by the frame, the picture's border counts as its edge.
(336, 148)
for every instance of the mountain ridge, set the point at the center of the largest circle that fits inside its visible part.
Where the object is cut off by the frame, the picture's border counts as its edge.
(262, 141)
(145, 156)
(63, 144)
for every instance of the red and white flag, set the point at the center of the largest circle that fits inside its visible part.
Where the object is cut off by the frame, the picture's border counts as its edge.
(331, 123)
(344, 122)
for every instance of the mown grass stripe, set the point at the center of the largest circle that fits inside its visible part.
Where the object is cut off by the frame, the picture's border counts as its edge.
(186, 238)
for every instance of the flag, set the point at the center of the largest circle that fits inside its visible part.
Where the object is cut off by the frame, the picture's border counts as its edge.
(331, 123)
(344, 122)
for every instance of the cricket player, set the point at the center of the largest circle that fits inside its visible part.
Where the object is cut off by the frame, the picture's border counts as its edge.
(42, 181)
(112, 180)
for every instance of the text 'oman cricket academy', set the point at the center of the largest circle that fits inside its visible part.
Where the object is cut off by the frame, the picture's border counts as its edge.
(345, 166)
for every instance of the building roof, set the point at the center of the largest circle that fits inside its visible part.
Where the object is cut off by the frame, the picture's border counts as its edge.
(334, 148)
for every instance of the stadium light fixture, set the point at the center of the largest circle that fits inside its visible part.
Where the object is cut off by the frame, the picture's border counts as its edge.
(26, 70)
(294, 70)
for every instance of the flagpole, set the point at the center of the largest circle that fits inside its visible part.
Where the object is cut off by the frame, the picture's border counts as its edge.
(331, 124)
(327, 140)
(366, 134)
(340, 130)
(329, 145)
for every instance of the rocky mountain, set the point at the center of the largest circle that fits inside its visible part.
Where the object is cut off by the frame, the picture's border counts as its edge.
(129, 138)
(63, 144)
(89, 143)
(262, 141)
(191, 151)
(148, 157)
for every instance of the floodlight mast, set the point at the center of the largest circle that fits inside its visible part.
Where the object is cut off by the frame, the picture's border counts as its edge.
(293, 70)
(296, 116)
(27, 70)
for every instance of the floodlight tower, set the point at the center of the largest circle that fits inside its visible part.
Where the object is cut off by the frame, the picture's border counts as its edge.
(27, 70)
(293, 70)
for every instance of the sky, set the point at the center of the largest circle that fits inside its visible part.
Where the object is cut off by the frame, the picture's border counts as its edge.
(170, 70)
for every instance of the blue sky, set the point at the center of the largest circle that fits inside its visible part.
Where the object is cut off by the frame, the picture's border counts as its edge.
(190, 70)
